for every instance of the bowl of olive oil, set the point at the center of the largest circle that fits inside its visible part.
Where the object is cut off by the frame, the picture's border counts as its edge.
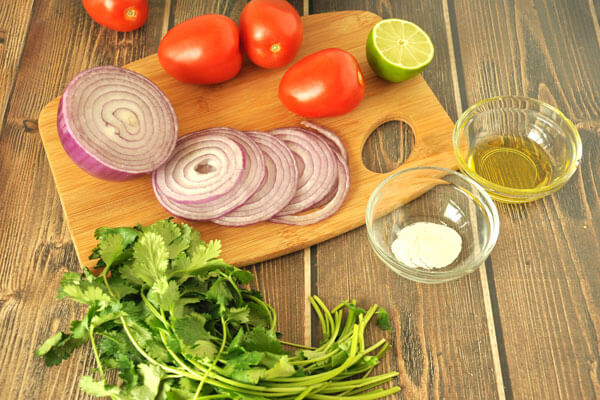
(519, 149)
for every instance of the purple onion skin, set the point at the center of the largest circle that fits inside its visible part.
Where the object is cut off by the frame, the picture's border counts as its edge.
(84, 159)
(92, 161)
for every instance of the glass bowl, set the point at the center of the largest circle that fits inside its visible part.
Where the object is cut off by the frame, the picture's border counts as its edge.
(518, 149)
(439, 196)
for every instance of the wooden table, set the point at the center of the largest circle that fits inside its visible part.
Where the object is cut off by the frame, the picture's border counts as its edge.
(525, 326)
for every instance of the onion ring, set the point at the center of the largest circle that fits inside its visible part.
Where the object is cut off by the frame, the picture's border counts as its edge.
(194, 207)
(276, 190)
(330, 208)
(316, 167)
(116, 124)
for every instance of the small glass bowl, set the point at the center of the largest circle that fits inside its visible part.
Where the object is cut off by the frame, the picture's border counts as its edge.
(551, 144)
(441, 196)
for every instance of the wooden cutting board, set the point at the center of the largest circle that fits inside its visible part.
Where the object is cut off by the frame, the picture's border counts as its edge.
(250, 102)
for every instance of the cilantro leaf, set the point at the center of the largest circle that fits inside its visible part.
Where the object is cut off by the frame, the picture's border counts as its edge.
(383, 320)
(127, 372)
(181, 307)
(249, 375)
(151, 257)
(119, 286)
(191, 329)
(106, 314)
(111, 249)
(165, 228)
(58, 347)
(97, 388)
(238, 315)
(49, 344)
(83, 288)
(260, 339)
(164, 293)
(258, 316)
(204, 253)
(152, 376)
(202, 348)
(282, 369)
(244, 277)
(220, 293)
(355, 309)
(129, 235)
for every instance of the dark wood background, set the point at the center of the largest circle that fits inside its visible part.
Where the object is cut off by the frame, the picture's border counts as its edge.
(525, 326)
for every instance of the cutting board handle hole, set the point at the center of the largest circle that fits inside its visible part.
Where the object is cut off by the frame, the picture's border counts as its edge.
(388, 146)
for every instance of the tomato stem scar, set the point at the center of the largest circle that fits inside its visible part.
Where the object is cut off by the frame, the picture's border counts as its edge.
(131, 13)
(275, 47)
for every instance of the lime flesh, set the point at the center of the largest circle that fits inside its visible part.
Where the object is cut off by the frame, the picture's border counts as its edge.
(398, 50)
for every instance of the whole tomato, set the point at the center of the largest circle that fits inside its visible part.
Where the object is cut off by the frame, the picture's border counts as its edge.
(323, 84)
(271, 32)
(202, 50)
(118, 15)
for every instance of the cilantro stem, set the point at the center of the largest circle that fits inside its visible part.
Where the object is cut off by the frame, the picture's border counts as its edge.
(298, 346)
(224, 324)
(183, 365)
(326, 312)
(316, 309)
(153, 310)
(105, 279)
(270, 310)
(324, 376)
(377, 394)
(96, 355)
(150, 359)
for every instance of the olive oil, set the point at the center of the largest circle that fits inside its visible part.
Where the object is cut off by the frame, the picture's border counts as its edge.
(512, 162)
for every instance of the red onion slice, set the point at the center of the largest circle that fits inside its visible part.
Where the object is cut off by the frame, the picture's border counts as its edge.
(330, 208)
(276, 190)
(203, 167)
(252, 174)
(116, 124)
(330, 138)
(316, 168)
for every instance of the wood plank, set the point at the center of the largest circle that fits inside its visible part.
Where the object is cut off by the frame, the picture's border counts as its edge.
(14, 24)
(35, 246)
(435, 326)
(544, 267)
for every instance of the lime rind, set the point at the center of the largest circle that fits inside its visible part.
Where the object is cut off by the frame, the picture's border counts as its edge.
(419, 41)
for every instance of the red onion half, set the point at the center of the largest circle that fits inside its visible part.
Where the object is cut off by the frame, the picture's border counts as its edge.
(316, 168)
(276, 190)
(115, 123)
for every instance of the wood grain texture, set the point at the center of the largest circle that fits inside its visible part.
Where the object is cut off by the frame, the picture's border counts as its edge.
(441, 342)
(14, 22)
(35, 246)
(544, 267)
(249, 102)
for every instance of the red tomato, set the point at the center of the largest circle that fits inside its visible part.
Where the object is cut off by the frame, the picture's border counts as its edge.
(271, 32)
(118, 15)
(202, 50)
(323, 84)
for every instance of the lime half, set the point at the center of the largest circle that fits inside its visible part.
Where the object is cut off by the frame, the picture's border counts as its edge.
(398, 50)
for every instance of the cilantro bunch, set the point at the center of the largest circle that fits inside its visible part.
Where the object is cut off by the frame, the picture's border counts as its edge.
(176, 322)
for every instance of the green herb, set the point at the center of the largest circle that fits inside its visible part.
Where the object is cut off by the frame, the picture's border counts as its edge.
(176, 322)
